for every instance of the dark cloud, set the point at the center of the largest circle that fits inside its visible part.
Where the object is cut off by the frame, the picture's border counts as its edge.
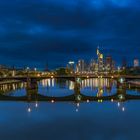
(34, 32)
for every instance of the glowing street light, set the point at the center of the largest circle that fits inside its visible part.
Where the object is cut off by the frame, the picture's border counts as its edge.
(87, 76)
(52, 77)
(52, 101)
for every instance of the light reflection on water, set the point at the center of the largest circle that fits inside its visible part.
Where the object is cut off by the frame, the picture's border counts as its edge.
(59, 88)
(89, 120)
(56, 87)
(64, 120)
(101, 87)
(90, 87)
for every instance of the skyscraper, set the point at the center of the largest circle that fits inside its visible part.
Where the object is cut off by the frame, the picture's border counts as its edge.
(80, 66)
(100, 61)
(136, 62)
(71, 66)
(92, 65)
(108, 64)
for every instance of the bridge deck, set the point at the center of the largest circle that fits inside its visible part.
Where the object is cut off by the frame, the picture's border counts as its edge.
(71, 76)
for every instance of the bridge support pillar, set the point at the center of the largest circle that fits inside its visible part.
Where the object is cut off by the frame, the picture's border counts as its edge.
(121, 88)
(77, 92)
(31, 89)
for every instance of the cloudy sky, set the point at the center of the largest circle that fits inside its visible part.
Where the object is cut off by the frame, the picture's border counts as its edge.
(36, 32)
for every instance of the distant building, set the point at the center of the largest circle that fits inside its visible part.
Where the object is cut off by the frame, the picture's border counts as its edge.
(71, 65)
(108, 63)
(101, 65)
(113, 68)
(92, 65)
(100, 61)
(124, 63)
(136, 62)
(80, 66)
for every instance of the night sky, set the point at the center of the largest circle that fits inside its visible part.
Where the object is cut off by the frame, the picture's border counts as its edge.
(40, 32)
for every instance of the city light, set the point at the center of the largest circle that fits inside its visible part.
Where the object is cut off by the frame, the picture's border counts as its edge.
(70, 69)
(27, 68)
(78, 97)
(77, 110)
(78, 104)
(38, 75)
(52, 76)
(87, 101)
(100, 101)
(71, 62)
(123, 109)
(121, 97)
(121, 80)
(52, 101)
(118, 104)
(36, 104)
(29, 110)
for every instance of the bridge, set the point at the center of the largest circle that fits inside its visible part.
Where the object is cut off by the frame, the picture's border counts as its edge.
(32, 95)
(70, 77)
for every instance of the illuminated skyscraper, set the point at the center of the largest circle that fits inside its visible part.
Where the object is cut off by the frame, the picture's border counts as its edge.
(136, 62)
(71, 66)
(80, 66)
(100, 65)
(100, 61)
(92, 65)
(108, 63)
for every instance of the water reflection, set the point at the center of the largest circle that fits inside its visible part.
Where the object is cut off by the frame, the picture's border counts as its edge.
(47, 83)
(84, 121)
(12, 89)
(111, 119)
(97, 82)
(121, 106)
(96, 87)
(56, 87)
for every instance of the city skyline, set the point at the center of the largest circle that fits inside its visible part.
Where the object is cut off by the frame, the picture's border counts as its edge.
(36, 33)
(69, 69)
(102, 61)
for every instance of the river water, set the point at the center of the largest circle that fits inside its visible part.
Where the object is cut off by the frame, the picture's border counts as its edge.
(106, 120)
